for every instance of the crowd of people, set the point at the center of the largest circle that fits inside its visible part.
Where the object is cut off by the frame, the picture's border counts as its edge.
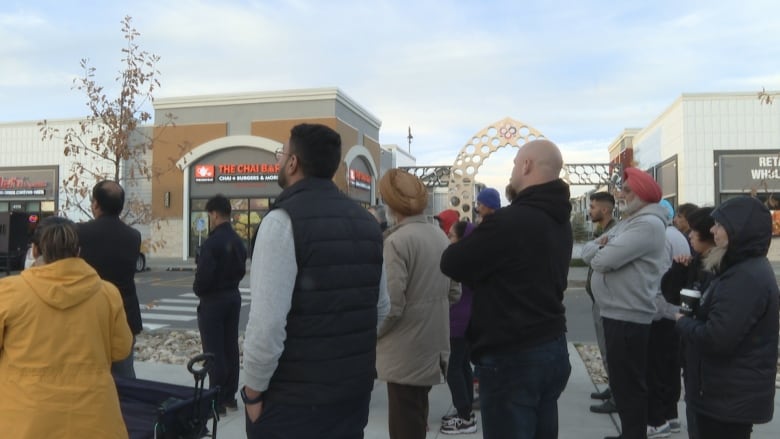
(342, 295)
(724, 341)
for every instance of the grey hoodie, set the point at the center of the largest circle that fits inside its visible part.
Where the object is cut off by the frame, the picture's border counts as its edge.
(628, 269)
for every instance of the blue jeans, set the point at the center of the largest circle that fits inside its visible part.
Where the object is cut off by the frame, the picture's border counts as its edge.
(519, 391)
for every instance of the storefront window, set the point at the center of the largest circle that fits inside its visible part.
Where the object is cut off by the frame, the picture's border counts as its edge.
(245, 217)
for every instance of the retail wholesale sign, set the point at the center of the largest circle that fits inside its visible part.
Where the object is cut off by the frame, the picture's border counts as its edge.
(743, 172)
(27, 183)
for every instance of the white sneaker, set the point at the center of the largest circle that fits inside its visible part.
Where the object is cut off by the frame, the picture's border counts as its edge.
(674, 425)
(664, 430)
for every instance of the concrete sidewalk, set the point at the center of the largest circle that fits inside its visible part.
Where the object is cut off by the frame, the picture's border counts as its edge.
(576, 421)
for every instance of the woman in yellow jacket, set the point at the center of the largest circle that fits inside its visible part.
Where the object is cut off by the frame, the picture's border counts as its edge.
(61, 327)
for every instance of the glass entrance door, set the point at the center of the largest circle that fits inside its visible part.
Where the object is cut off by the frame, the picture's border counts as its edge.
(245, 217)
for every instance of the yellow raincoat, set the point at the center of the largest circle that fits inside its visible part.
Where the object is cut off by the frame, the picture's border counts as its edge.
(61, 326)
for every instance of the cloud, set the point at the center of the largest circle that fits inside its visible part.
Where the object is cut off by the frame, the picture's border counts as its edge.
(577, 71)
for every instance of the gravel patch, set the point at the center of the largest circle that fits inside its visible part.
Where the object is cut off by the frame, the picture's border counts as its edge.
(178, 346)
(172, 346)
(591, 356)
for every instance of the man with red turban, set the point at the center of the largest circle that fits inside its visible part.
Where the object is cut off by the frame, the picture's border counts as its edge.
(628, 262)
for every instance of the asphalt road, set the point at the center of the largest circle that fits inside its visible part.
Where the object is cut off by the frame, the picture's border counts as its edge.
(167, 302)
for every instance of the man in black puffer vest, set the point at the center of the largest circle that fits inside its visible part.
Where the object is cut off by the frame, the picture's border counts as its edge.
(317, 297)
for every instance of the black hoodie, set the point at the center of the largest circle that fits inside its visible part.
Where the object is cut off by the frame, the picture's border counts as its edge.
(517, 263)
(732, 341)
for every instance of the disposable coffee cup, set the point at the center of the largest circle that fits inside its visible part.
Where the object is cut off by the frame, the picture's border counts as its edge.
(689, 301)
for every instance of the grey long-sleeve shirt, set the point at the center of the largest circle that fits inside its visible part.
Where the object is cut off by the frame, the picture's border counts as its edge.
(272, 279)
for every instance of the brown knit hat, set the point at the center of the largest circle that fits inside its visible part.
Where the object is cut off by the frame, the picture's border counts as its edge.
(404, 193)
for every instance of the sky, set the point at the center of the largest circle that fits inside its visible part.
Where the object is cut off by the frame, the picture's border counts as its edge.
(578, 71)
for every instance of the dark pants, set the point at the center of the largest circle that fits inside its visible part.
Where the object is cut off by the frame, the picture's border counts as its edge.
(690, 415)
(345, 420)
(124, 368)
(407, 411)
(218, 325)
(627, 347)
(663, 373)
(714, 429)
(460, 378)
(519, 391)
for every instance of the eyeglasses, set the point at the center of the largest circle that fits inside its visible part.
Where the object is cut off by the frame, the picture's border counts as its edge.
(280, 153)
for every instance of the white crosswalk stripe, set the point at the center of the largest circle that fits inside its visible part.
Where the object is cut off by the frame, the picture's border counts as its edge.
(155, 315)
(173, 317)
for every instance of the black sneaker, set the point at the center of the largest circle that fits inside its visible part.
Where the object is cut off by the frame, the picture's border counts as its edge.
(607, 406)
(458, 425)
(604, 395)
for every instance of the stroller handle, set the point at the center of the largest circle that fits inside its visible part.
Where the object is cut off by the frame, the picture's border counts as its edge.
(207, 358)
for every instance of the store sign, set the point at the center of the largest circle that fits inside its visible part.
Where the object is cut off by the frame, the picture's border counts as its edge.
(22, 187)
(360, 180)
(236, 173)
(744, 172)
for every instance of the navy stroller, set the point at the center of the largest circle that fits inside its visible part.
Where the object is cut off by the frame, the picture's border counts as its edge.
(168, 411)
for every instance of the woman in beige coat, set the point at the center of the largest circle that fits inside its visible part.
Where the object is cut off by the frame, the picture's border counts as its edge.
(413, 345)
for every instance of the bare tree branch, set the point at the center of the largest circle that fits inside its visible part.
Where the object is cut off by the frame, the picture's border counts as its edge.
(108, 143)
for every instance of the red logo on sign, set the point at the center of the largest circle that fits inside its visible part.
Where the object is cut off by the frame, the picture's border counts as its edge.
(204, 171)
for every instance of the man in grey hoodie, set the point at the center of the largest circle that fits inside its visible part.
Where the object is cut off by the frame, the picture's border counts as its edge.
(628, 263)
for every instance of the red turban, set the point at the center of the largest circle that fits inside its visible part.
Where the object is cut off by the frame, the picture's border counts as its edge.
(642, 184)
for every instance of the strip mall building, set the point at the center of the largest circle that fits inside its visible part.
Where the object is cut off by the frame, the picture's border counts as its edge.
(221, 144)
(704, 148)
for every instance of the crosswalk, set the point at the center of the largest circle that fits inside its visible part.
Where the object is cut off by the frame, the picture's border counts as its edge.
(163, 313)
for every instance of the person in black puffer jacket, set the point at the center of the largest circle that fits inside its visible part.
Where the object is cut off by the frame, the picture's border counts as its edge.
(731, 342)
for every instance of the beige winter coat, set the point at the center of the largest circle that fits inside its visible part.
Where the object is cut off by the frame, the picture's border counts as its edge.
(414, 346)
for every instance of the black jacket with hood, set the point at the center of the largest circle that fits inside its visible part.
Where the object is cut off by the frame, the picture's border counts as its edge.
(732, 341)
(516, 261)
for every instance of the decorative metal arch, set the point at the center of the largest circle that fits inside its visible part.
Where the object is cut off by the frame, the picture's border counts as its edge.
(431, 176)
(505, 132)
(586, 173)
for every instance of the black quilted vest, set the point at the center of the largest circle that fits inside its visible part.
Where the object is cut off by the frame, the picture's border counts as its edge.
(330, 350)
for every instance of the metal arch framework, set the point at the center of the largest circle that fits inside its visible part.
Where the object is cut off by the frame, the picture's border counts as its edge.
(503, 133)
(460, 177)
(431, 176)
(586, 173)
(576, 174)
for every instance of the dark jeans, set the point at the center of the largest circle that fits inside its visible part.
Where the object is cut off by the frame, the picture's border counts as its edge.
(218, 325)
(345, 420)
(627, 347)
(124, 368)
(519, 391)
(460, 378)
(714, 429)
(663, 372)
(407, 411)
